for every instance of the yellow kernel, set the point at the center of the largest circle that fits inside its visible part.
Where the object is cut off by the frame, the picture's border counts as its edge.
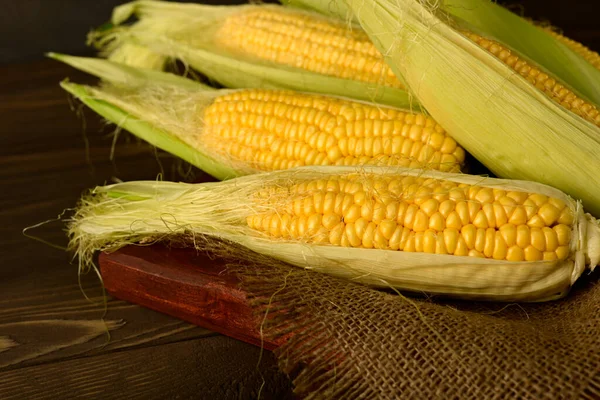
(462, 209)
(500, 248)
(474, 208)
(469, 232)
(549, 213)
(532, 254)
(437, 222)
(402, 207)
(537, 239)
(488, 209)
(335, 236)
(519, 216)
(450, 239)
(313, 223)
(440, 245)
(538, 199)
(446, 207)
(475, 253)
(480, 239)
(394, 242)
(461, 247)
(368, 236)
(523, 236)
(518, 197)
(430, 206)
(419, 242)
(485, 195)
(353, 238)
(480, 220)
(531, 208)
(409, 216)
(488, 248)
(457, 194)
(499, 215)
(563, 234)
(409, 246)
(549, 256)
(387, 228)
(551, 238)
(429, 241)
(360, 226)
(352, 213)
(536, 222)
(330, 220)
(509, 234)
(515, 253)
(562, 252)
(453, 221)
(421, 222)
(566, 217)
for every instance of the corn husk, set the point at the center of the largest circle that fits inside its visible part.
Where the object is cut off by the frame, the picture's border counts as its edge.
(186, 32)
(498, 116)
(496, 22)
(117, 215)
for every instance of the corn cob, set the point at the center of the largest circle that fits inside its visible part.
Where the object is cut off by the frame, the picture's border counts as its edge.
(506, 122)
(252, 130)
(458, 235)
(262, 46)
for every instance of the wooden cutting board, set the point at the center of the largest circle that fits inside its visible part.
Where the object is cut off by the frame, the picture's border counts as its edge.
(185, 284)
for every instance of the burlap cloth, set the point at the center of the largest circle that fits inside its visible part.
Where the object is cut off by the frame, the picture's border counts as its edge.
(353, 342)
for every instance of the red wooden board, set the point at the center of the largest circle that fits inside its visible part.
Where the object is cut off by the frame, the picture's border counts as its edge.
(185, 284)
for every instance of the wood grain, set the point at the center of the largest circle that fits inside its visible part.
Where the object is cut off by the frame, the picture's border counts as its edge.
(186, 284)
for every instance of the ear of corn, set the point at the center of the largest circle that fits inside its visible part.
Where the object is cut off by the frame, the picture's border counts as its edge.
(561, 57)
(261, 46)
(255, 130)
(506, 122)
(459, 235)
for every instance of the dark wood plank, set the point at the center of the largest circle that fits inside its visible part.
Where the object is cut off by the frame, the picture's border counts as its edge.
(209, 369)
(185, 284)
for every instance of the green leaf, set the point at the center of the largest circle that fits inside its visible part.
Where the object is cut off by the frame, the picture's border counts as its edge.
(151, 134)
(118, 73)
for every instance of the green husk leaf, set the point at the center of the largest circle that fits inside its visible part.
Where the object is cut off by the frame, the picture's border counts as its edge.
(118, 215)
(531, 41)
(183, 31)
(118, 73)
(496, 115)
(151, 134)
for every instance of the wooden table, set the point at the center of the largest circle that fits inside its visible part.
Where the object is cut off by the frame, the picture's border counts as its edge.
(53, 342)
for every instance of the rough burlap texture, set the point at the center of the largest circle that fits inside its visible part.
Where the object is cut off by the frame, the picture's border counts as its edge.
(352, 342)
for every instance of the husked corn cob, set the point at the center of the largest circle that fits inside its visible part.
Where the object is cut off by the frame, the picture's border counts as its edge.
(553, 89)
(455, 234)
(280, 129)
(303, 41)
(416, 214)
